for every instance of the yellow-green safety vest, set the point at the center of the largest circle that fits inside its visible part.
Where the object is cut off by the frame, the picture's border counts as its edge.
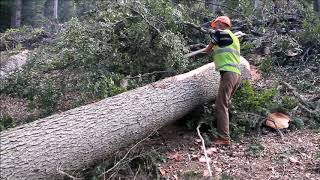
(228, 58)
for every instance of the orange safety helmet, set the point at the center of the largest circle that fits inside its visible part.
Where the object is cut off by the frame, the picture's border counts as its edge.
(223, 19)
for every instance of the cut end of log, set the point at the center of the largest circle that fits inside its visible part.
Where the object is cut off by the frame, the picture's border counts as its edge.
(278, 120)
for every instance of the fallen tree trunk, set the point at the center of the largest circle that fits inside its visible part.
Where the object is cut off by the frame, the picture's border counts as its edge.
(80, 137)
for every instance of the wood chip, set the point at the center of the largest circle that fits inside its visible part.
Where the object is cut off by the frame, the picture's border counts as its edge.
(203, 159)
(218, 170)
(211, 151)
(194, 156)
(206, 173)
(293, 160)
(175, 177)
(162, 171)
(175, 155)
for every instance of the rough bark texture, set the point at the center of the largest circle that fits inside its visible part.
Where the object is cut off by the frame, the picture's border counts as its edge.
(55, 9)
(16, 17)
(316, 5)
(78, 138)
(256, 4)
(213, 5)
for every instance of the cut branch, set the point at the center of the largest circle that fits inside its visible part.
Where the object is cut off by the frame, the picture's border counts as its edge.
(201, 29)
(303, 104)
(145, 19)
(296, 94)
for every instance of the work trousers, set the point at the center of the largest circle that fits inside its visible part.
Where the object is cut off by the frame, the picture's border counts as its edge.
(229, 83)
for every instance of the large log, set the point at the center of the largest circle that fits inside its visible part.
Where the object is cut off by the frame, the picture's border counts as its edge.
(80, 137)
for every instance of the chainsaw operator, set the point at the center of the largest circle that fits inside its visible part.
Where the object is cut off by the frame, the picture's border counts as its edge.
(226, 55)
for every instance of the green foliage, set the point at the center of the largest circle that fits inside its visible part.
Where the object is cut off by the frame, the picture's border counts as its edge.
(247, 47)
(318, 155)
(298, 123)
(87, 61)
(310, 33)
(24, 37)
(46, 98)
(245, 7)
(148, 162)
(6, 121)
(281, 50)
(190, 175)
(266, 66)
(143, 165)
(238, 129)
(255, 148)
(289, 102)
(225, 176)
(247, 99)
(248, 108)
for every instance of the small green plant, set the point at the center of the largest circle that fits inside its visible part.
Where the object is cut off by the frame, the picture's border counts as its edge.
(247, 47)
(225, 176)
(255, 148)
(47, 99)
(266, 66)
(289, 102)
(6, 121)
(190, 175)
(318, 155)
(21, 37)
(140, 164)
(310, 30)
(238, 130)
(247, 99)
(298, 123)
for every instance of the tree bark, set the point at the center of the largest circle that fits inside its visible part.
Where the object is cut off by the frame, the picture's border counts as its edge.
(16, 14)
(78, 138)
(256, 4)
(316, 5)
(68, 10)
(213, 5)
(55, 9)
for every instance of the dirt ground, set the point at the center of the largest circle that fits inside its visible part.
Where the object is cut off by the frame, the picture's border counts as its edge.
(297, 156)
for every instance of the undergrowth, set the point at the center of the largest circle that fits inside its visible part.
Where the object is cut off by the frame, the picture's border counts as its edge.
(248, 110)
(140, 165)
(21, 38)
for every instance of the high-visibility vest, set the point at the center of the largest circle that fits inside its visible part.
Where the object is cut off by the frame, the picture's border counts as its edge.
(228, 58)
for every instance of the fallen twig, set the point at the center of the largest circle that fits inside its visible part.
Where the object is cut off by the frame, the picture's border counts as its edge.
(279, 132)
(135, 176)
(125, 156)
(144, 18)
(303, 104)
(312, 112)
(296, 94)
(204, 149)
(68, 175)
(196, 27)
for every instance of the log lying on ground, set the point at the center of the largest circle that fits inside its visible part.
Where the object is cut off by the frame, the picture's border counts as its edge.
(80, 137)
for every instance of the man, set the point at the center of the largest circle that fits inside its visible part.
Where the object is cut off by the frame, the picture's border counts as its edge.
(226, 56)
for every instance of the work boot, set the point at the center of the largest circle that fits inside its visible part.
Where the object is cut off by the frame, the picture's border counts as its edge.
(221, 141)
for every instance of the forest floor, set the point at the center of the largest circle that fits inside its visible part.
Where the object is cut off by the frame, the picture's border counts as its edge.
(297, 156)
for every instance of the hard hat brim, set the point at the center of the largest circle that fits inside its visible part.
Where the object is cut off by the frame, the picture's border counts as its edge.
(214, 23)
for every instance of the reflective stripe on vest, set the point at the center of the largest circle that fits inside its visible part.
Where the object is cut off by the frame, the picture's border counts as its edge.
(232, 65)
(226, 49)
(228, 58)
